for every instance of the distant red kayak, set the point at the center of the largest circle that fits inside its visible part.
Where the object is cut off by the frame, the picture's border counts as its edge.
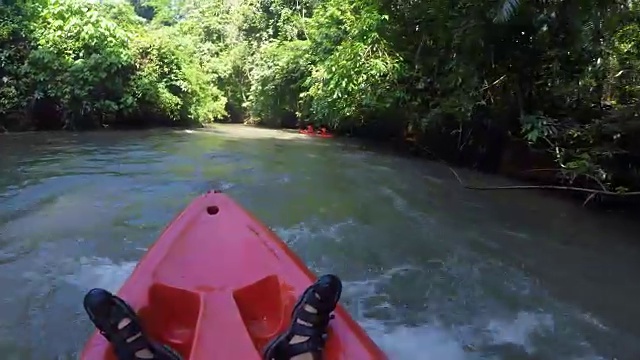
(218, 284)
(322, 133)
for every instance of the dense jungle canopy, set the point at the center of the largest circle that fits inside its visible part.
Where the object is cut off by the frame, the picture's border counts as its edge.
(505, 85)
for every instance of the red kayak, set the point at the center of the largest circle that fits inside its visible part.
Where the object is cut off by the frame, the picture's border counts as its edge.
(218, 284)
(311, 132)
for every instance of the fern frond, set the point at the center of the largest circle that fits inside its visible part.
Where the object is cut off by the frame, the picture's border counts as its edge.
(507, 10)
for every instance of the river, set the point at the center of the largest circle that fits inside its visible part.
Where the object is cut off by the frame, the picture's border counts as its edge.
(431, 270)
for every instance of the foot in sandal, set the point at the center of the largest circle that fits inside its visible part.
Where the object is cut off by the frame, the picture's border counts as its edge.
(120, 325)
(305, 338)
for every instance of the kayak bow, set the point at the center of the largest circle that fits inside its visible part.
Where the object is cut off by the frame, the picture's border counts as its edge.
(218, 284)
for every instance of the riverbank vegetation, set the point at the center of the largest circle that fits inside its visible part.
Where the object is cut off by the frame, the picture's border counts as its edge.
(542, 89)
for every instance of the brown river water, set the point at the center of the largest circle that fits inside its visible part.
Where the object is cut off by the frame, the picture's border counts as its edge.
(431, 270)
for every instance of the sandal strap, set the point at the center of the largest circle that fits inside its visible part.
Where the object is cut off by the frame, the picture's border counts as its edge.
(321, 305)
(107, 311)
(316, 331)
(120, 339)
(130, 330)
(129, 352)
(313, 345)
(138, 344)
(124, 353)
(316, 320)
(308, 331)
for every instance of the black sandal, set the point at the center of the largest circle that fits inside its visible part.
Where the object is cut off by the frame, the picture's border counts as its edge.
(107, 311)
(323, 296)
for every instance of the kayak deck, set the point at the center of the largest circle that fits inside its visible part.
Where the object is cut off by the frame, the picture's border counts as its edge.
(218, 284)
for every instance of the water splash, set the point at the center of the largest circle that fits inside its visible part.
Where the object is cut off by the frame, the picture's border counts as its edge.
(100, 272)
(415, 343)
(472, 308)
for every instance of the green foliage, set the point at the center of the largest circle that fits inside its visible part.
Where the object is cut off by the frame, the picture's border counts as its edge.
(276, 80)
(84, 64)
(465, 78)
(80, 61)
(359, 75)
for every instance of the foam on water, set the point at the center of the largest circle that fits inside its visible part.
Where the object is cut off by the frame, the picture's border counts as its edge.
(519, 330)
(415, 343)
(423, 342)
(470, 310)
(100, 272)
(312, 230)
(481, 335)
(434, 339)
